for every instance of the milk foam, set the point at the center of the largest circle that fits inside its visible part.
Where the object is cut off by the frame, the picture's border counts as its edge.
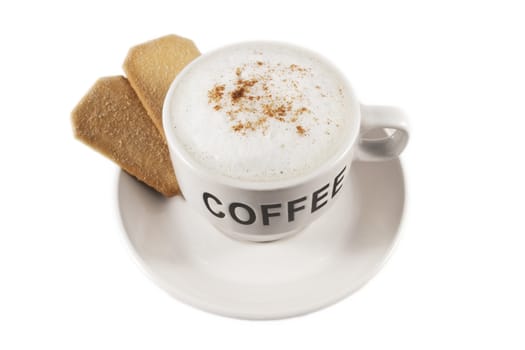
(261, 112)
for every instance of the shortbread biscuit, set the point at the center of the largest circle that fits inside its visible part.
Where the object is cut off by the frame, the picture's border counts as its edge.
(152, 66)
(111, 119)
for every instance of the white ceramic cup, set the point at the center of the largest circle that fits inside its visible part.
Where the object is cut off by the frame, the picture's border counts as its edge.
(266, 211)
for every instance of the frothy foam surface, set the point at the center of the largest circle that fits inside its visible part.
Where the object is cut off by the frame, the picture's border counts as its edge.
(261, 112)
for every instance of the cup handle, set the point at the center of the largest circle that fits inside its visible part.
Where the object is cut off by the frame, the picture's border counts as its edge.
(383, 135)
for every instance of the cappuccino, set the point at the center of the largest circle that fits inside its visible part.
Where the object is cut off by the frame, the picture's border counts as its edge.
(261, 112)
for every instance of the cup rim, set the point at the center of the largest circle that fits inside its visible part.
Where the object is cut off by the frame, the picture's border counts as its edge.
(176, 146)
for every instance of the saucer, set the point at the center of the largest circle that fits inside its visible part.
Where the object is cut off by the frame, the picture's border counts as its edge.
(332, 258)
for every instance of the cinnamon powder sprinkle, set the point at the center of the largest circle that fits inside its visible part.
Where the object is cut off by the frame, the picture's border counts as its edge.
(300, 130)
(242, 87)
(238, 127)
(238, 94)
(215, 94)
(295, 67)
(301, 111)
(248, 125)
(250, 103)
(274, 111)
(298, 112)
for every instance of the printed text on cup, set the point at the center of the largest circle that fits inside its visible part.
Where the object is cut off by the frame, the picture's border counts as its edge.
(291, 208)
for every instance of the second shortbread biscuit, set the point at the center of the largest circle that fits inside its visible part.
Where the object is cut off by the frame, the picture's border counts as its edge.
(152, 66)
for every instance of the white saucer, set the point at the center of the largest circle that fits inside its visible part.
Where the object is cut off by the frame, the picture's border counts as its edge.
(332, 258)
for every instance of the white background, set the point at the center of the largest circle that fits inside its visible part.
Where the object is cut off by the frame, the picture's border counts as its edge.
(456, 280)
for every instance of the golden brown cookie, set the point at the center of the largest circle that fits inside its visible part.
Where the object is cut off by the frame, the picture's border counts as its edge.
(152, 66)
(111, 119)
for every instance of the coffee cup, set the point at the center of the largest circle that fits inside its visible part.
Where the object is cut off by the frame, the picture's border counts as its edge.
(262, 136)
